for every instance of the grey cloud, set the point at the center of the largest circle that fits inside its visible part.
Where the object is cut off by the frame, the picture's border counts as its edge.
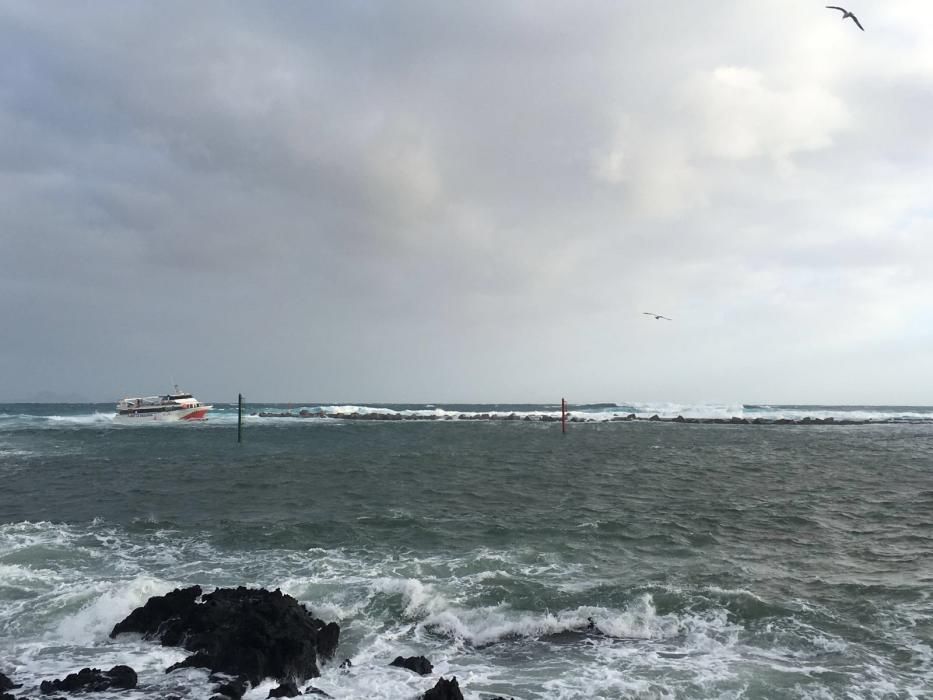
(412, 201)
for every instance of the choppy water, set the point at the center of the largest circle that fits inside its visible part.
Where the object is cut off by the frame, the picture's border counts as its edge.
(716, 561)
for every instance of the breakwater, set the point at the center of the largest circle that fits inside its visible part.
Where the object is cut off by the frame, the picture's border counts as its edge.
(551, 418)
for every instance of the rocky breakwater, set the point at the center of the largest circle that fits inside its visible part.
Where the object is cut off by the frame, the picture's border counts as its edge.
(577, 418)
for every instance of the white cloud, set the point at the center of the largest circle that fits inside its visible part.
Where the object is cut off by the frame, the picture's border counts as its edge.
(740, 116)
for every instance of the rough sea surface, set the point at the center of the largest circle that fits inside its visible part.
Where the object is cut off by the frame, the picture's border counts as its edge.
(715, 561)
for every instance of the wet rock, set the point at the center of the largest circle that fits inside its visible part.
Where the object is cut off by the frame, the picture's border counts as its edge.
(234, 689)
(418, 664)
(252, 633)
(679, 419)
(346, 664)
(311, 690)
(148, 619)
(6, 696)
(289, 689)
(7, 684)
(444, 690)
(655, 417)
(92, 680)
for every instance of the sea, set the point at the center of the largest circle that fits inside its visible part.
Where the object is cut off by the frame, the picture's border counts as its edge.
(618, 559)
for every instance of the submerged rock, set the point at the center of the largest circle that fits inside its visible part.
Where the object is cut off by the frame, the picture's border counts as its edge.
(418, 664)
(252, 633)
(444, 690)
(92, 680)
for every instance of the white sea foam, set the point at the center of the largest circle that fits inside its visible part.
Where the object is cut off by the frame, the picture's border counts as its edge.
(225, 416)
(418, 598)
(608, 413)
(386, 609)
(91, 419)
(103, 605)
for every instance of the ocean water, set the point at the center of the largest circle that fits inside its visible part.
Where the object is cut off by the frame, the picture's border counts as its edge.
(715, 561)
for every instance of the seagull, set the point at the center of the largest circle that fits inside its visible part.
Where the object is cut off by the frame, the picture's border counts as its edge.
(846, 13)
(657, 317)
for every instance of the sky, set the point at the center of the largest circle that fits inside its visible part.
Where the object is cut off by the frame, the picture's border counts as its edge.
(467, 202)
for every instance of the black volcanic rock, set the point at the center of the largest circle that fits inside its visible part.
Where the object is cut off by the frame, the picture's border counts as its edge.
(418, 664)
(444, 690)
(234, 689)
(92, 680)
(252, 633)
(7, 684)
(158, 612)
(286, 690)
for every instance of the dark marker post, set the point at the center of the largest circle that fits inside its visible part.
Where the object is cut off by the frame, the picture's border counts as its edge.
(563, 415)
(239, 418)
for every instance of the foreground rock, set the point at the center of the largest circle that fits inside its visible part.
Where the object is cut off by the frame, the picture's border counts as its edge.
(418, 664)
(7, 684)
(444, 690)
(253, 633)
(92, 680)
(285, 690)
(234, 689)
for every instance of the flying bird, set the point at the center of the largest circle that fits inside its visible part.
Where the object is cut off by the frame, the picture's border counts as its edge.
(657, 317)
(845, 14)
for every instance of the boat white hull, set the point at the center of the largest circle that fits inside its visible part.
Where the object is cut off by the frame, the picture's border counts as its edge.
(194, 413)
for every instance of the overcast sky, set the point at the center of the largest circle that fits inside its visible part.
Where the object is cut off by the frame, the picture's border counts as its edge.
(470, 201)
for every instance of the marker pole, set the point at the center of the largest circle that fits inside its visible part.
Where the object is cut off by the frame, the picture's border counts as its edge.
(239, 418)
(563, 415)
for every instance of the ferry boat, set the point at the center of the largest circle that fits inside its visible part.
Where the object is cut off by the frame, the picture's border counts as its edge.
(179, 405)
